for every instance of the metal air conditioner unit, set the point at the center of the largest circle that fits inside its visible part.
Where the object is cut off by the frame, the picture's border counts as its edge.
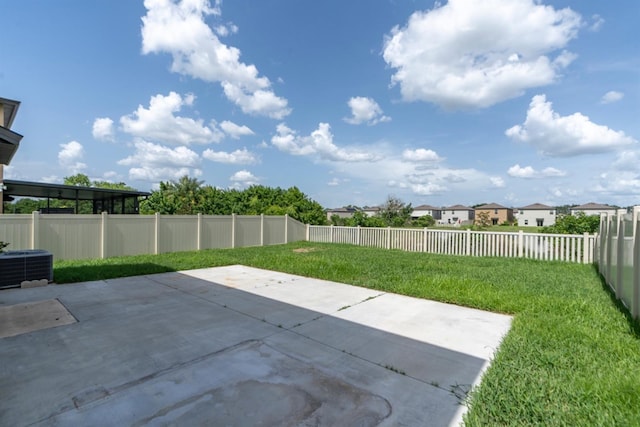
(30, 264)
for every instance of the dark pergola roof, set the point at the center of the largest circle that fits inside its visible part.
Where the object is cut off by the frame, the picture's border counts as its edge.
(104, 196)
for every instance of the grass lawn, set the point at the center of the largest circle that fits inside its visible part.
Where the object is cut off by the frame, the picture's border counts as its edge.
(572, 357)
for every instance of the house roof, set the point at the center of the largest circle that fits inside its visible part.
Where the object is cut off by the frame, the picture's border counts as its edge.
(9, 140)
(9, 143)
(343, 209)
(10, 110)
(591, 206)
(458, 208)
(426, 208)
(492, 206)
(537, 206)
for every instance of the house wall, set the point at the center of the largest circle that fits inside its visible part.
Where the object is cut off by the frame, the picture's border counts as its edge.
(435, 214)
(497, 216)
(454, 216)
(529, 217)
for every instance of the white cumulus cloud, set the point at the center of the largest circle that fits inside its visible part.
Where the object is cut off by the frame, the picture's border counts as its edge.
(497, 182)
(421, 155)
(235, 131)
(564, 136)
(365, 110)
(243, 178)
(70, 157)
(103, 129)
(153, 162)
(237, 157)
(529, 172)
(160, 123)
(179, 28)
(611, 96)
(469, 53)
(319, 143)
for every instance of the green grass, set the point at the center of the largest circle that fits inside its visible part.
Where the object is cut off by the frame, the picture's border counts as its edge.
(571, 358)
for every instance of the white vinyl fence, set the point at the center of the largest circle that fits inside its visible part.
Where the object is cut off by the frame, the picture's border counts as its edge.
(561, 247)
(619, 256)
(103, 236)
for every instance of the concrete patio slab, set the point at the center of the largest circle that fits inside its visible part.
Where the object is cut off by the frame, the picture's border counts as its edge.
(242, 346)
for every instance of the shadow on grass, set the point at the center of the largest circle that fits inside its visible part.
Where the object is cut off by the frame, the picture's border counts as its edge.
(634, 324)
(88, 273)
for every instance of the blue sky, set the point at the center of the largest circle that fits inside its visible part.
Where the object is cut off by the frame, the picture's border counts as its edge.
(440, 103)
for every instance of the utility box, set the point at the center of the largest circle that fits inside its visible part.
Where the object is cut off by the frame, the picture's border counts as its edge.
(28, 264)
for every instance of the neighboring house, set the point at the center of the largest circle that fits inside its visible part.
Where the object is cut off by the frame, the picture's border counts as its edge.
(593, 209)
(422, 210)
(536, 215)
(457, 214)
(497, 213)
(370, 211)
(340, 212)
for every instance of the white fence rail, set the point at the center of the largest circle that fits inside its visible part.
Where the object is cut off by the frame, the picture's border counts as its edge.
(561, 247)
(103, 236)
(619, 256)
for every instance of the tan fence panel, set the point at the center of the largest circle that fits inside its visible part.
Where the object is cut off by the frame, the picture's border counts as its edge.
(177, 233)
(16, 230)
(248, 230)
(216, 232)
(129, 235)
(69, 236)
(296, 230)
(102, 236)
(274, 230)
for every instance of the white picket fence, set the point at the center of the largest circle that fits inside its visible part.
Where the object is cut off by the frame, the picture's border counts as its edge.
(560, 247)
(619, 256)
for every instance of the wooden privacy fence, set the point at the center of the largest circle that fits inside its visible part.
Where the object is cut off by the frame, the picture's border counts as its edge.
(561, 247)
(103, 236)
(619, 256)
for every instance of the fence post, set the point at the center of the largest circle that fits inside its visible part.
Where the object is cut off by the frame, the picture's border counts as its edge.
(610, 225)
(103, 235)
(156, 249)
(388, 237)
(262, 229)
(199, 232)
(600, 242)
(233, 230)
(331, 233)
(286, 228)
(307, 233)
(358, 235)
(520, 244)
(467, 243)
(586, 257)
(35, 229)
(425, 234)
(619, 255)
(635, 303)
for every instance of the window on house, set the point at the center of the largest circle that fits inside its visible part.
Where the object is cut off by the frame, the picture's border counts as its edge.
(552, 212)
(453, 212)
(494, 221)
(495, 211)
(521, 212)
(540, 222)
(526, 222)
